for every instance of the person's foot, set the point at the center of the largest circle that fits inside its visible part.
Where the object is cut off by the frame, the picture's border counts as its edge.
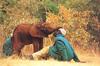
(82, 61)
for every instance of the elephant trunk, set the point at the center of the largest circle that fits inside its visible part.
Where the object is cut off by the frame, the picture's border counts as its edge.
(55, 30)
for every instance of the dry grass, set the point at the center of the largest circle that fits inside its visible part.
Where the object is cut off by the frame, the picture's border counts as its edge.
(89, 58)
(90, 61)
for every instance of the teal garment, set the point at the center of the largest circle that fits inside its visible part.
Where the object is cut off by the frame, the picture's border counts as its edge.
(7, 47)
(62, 50)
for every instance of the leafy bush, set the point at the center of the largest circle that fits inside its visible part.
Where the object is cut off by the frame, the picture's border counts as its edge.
(11, 2)
(75, 23)
(76, 16)
(2, 16)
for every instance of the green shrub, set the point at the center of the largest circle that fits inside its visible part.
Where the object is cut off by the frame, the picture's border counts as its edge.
(11, 2)
(2, 16)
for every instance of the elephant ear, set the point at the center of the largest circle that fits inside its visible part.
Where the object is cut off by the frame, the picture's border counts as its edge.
(43, 29)
(37, 31)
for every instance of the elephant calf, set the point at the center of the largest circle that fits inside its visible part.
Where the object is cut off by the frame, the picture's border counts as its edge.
(25, 34)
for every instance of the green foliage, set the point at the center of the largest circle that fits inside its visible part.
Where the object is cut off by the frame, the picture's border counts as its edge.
(2, 16)
(51, 6)
(75, 12)
(81, 5)
(11, 2)
(41, 13)
(62, 1)
(77, 4)
(36, 9)
(39, 8)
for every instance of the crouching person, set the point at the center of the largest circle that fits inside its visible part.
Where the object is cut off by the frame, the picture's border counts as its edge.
(7, 47)
(61, 50)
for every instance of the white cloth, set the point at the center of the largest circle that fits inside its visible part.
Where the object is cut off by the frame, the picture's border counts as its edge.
(63, 31)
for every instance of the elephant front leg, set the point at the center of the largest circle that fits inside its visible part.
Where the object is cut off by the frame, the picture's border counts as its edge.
(36, 46)
(40, 43)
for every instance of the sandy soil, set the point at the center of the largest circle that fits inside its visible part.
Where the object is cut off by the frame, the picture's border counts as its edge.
(88, 58)
(90, 61)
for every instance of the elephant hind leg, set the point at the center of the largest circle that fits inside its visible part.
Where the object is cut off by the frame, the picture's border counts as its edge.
(17, 48)
(38, 44)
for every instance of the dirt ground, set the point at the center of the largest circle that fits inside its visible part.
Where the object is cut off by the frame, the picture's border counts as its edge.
(89, 59)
